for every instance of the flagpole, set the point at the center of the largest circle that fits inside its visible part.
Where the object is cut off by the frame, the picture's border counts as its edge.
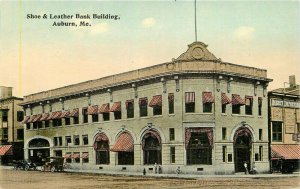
(196, 20)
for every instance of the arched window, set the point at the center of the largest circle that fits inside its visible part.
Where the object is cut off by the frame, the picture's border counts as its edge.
(101, 146)
(151, 144)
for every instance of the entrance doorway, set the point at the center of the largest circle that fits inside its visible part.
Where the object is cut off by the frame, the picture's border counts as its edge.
(39, 150)
(242, 149)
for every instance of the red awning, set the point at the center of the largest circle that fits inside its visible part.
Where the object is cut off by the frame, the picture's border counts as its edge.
(92, 110)
(237, 100)
(225, 99)
(6, 150)
(189, 97)
(31, 119)
(55, 115)
(124, 143)
(104, 108)
(67, 156)
(116, 107)
(85, 155)
(285, 151)
(26, 118)
(74, 113)
(44, 117)
(37, 118)
(76, 155)
(156, 101)
(65, 114)
(207, 97)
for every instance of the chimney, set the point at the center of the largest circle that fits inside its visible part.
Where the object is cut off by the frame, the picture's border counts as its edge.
(292, 81)
(5, 92)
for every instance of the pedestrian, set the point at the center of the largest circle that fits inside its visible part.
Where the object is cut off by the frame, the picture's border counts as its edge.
(144, 171)
(246, 168)
(178, 170)
(159, 169)
(254, 168)
(155, 168)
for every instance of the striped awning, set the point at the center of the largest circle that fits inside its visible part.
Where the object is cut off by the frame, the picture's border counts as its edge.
(74, 113)
(85, 155)
(92, 110)
(6, 150)
(285, 151)
(68, 156)
(76, 155)
(44, 116)
(156, 101)
(26, 119)
(116, 107)
(37, 118)
(237, 100)
(124, 143)
(31, 118)
(104, 108)
(55, 115)
(207, 97)
(189, 97)
(225, 99)
(65, 114)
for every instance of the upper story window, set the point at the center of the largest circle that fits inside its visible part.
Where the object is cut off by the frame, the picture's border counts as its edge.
(116, 108)
(28, 125)
(237, 102)
(57, 141)
(5, 133)
(93, 110)
(85, 115)
(207, 100)
(104, 110)
(260, 106)
(248, 105)
(143, 103)
(276, 131)
(20, 134)
(189, 102)
(85, 139)
(171, 103)
(130, 108)
(224, 133)
(76, 139)
(56, 122)
(172, 134)
(20, 116)
(156, 104)
(225, 100)
(68, 140)
(4, 115)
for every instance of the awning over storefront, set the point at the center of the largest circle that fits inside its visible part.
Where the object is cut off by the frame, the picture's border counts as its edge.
(92, 110)
(189, 97)
(31, 119)
(225, 99)
(116, 107)
(124, 143)
(207, 97)
(26, 119)
(100, 137)
(207, 130)
(104, 108)
(151, 133)
(74, 113)
(55, 115)
(44, 117)
(156, 101)
(237, 100)
(68, 156)
(37, 118)
(65, 114)
(285, 151)
(6, 150)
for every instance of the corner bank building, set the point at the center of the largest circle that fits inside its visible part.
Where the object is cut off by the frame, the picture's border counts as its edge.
(196, 112)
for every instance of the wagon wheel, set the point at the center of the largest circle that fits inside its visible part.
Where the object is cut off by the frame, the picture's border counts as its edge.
(42, 168)
(52, 169)
(26, 167)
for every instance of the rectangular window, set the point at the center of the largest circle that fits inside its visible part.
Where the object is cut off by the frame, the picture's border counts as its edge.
(207, 107)
(259, 106)
(298, 128)
(84, 115)
(224, 108)
(105, 116)
(259, 134)
(237, 102)
(130, 108)
(68, 140)
(34, 125)
(20, 134)
(277, 131)
(76, 157)
(39, 124)
(157, 110)
(224, 133)
(20, 116)
(172, 134)
(28, 126)
(229, 158)
(171, 103)
(57, 141)
(236, 109)
(4, 115)
(85, 157)
(117, 115)
(224, 152)
(85, 139)
(143, 103)
(207, 100)
(76, 120)
(56, 122)
(172, 154)
(95, 117)
(5, 133)
(248, 105)
(68, 159)
(190, 102)
(47, 124)
(260, 153)
(156, 104)
(76, 139)
(67, 121)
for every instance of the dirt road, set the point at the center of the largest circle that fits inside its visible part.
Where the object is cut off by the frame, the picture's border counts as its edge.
(18, 179)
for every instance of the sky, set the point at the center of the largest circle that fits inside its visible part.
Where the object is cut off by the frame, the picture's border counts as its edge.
(36, 56)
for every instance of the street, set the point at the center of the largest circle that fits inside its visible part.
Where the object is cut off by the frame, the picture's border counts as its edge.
(19, 179)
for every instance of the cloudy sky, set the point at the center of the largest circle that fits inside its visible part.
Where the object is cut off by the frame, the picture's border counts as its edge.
(36, 56)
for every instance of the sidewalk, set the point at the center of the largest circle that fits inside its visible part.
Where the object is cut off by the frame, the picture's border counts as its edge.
(183, 176)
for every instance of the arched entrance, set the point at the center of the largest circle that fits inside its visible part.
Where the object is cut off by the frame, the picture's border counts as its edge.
(151, 144)
(124, 147)
(38, 150)
(242, 148)
(101, 146)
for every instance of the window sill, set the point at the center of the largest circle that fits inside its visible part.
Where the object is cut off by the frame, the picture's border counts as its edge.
(223, 114)
(242, 115)
(203, 113)
(157, 116)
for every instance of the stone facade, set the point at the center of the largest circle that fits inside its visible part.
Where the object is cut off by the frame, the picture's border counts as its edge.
(184, 125)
